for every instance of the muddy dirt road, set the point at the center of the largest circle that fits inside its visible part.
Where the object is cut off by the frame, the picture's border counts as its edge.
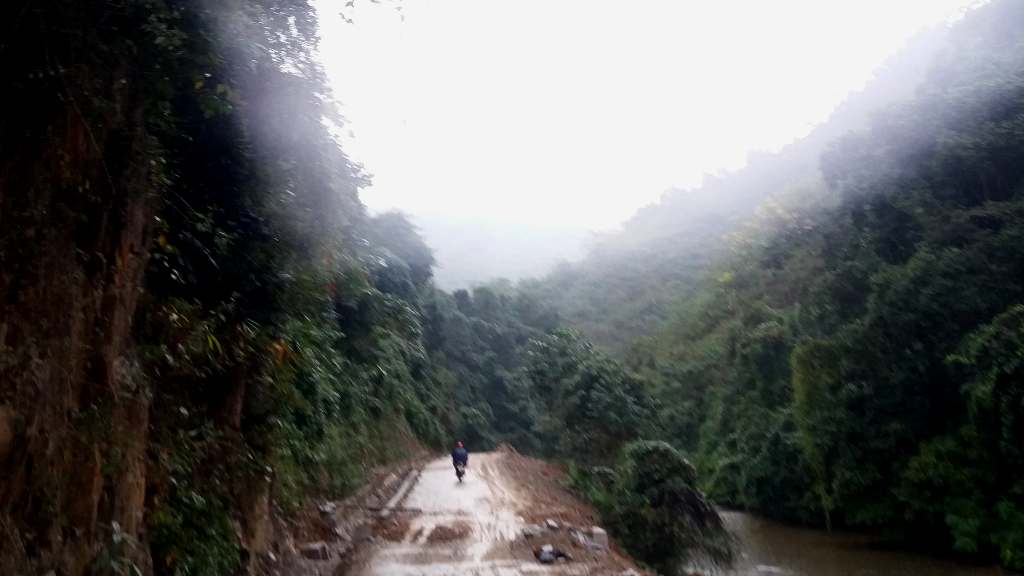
(474, 528)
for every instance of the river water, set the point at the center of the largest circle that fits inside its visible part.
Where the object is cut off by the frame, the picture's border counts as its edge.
(771, 549)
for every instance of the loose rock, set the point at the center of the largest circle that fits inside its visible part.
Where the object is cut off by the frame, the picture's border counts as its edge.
(316, 551)
(599, 538)
(548, 554)
(580, 539)
(532, 531)
(551, 524)
(363, 533)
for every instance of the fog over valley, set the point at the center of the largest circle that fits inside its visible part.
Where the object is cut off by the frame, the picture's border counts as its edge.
(543, 120)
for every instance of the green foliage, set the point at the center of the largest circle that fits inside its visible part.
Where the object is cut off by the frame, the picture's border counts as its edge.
(589, 405)
(593, 483)
(280, 325)
(652, 503)
(816, 383)
(474, 427)
(480, 343)
(834, 333)
(395, 234)
(518, 378)
(286, 341)
(849, 354)
(970, 479)
(192, 534)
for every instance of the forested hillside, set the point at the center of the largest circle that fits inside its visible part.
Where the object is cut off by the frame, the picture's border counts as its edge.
(627, 285)
(194, 331)
(839, 343)
(202, 331)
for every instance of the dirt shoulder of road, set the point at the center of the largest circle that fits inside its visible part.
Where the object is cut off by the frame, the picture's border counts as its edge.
(541, 488)
(327, 537)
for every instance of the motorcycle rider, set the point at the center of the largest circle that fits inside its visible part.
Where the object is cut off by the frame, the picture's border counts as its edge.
(460, 456)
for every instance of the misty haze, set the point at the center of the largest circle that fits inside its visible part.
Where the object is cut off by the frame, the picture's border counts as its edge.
(432, 287)
(562, 119)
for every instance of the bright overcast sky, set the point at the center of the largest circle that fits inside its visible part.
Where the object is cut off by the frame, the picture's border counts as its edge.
(581, 111)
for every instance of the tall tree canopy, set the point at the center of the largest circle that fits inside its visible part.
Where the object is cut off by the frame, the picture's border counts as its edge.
(840, 349)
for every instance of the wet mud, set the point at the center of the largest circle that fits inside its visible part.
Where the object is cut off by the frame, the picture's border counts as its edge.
(469, 528)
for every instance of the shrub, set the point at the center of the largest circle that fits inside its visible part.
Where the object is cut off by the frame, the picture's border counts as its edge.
(656, 511)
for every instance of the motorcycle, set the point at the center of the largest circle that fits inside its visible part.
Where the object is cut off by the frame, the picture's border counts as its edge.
(460, 471)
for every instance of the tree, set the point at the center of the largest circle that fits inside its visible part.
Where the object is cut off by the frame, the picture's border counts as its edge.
(658, 512)
(819, 413)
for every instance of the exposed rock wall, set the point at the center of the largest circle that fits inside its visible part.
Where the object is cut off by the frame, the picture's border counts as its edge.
(76, 206)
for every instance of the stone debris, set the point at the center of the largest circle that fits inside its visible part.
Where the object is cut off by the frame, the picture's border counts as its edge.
(316, 551)
(594, 538)
(599, 537)
(532, 531)
(548, 554)
(551, 524)
(363, 533)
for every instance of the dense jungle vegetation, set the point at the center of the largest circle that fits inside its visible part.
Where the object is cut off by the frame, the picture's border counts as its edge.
(838, 341)
(201, 328)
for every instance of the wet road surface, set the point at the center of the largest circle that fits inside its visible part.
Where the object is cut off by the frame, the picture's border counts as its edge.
(483, 508)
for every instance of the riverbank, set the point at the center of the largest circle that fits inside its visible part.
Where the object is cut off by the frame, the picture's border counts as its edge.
(771, 548)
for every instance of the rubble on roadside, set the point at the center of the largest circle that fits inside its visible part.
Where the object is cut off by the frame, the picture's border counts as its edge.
(532, 531)
(592, 538)
(548, 554)
(329, 534)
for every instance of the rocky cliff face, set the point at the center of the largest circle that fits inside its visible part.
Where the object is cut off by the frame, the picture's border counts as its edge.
(76, 206)
(179, 256)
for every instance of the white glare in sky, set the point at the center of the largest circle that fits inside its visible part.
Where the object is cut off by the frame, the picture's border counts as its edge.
(578, 112)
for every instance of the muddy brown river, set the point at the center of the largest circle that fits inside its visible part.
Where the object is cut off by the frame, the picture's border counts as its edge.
(772, 549)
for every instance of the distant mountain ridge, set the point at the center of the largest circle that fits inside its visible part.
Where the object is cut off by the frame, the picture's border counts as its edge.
(621, 290)
(470, 253)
